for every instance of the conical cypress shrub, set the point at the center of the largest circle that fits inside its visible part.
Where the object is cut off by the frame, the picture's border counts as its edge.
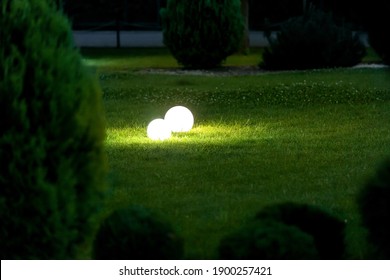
(202, 34)
(52, 168)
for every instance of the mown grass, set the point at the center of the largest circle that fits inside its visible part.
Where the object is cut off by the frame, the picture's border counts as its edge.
(308, 136)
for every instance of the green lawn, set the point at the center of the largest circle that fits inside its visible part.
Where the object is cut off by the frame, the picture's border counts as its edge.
(304, 136)
(112, 59)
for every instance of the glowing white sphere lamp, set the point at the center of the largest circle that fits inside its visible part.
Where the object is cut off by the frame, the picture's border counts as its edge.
(179, 119)
(158, 129)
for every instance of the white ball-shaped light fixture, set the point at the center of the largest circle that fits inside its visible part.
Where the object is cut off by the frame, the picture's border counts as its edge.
(179, 119)
(158, 129)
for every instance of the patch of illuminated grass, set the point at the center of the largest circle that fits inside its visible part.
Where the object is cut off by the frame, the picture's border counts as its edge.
(215, 133)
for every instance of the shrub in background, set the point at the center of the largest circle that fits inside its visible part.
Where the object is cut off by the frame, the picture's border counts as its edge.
(380, 42)
(377, 24)
(326, 229)
(374, 204)
(52, 168)
(202, 34)
(135, 233)
(268, 240)
(311, 41)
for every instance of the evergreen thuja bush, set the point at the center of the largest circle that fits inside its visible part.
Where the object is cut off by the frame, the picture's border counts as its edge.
(310, 41)
(202, 34)
(374, 204)
(327, 230)
(268, 240)
(135, 233)
(52, 168)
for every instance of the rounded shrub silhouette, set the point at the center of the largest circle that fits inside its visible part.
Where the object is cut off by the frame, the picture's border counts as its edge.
(310, 41)
(53, 166)
(377, 27)
(327, 231)
(269, 240)
(374, 204)
(202, 34)
(136, 233)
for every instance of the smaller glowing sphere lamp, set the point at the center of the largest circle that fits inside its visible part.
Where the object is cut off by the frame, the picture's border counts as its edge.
(179, 119)
(158, 129)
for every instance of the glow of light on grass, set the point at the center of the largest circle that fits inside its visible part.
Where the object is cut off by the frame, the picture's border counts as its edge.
(158, 129)
(179, 119)
(209, 133)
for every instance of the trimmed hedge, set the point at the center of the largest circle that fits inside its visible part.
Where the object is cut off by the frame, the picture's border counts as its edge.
(374, 204)
(377, 24)
(312, 41)
(202, 34)
(268, 240)
(135, 233)
(53, 166)
(326, 229)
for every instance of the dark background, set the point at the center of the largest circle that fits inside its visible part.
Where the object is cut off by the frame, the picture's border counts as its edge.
(144, 14)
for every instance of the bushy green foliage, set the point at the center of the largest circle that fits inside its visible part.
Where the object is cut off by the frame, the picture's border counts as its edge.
(52, 169)
(374, 203)
(311, 41)
(326, 230)
(136, 233)
(201, 34)
(268, 240)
